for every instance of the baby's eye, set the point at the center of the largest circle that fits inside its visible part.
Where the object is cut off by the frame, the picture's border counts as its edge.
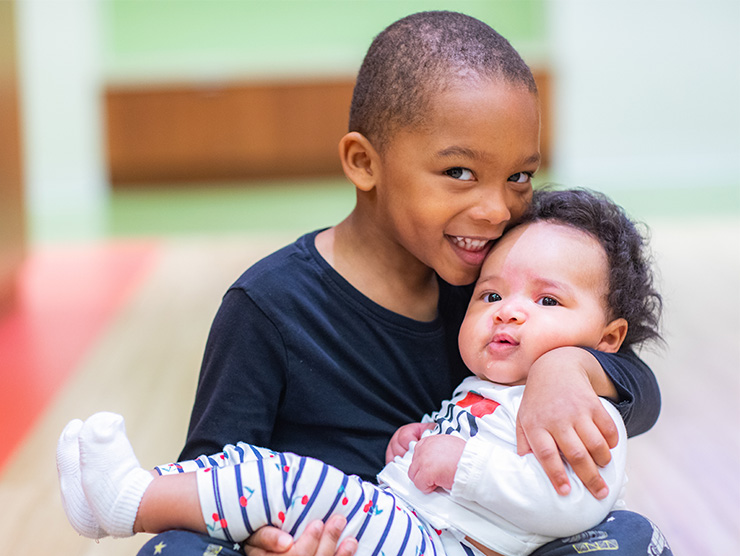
(491, 297)
(460, 173)
(521, 177)
(549, 301)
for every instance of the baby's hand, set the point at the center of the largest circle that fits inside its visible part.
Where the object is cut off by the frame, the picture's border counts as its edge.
(435, 462)
(399, 443)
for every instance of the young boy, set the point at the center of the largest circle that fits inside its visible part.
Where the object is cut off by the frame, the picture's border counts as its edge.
(328, 346)
(574, 273)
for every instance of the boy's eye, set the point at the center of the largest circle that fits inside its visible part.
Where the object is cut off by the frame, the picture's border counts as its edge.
(521, 177)
(460, 173)
(491, 297)
(549, 301)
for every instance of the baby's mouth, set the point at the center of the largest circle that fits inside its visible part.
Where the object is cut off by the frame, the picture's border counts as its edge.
(505, 339)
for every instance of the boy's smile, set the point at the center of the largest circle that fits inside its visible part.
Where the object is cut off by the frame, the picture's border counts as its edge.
(471, 250)
(450, 186)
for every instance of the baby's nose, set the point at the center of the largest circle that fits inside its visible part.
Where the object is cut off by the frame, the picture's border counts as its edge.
(510, 312)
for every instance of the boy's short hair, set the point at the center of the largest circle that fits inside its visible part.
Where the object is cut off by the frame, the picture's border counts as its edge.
(632, 295)
(419, 56)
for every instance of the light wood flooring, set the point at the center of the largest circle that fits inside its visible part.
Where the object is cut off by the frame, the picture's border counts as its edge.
(684, 474)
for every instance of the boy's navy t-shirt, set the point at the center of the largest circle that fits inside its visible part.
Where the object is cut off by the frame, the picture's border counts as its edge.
(298, 360)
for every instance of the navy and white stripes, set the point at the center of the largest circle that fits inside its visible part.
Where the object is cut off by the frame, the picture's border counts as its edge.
(251, 487)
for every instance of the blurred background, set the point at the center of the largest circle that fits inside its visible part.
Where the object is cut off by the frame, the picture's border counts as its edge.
(152, 150)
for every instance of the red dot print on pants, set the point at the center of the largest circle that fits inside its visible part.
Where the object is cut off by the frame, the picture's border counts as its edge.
(243, 501)
(304, 500)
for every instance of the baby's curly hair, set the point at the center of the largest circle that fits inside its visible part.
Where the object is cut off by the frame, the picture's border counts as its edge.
(632, 294)
(419, 56)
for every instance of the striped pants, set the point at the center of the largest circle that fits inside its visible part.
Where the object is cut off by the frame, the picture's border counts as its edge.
(246, 487)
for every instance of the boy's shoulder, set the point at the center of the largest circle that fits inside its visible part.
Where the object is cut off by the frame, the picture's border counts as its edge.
(281, 266)
(296, 278)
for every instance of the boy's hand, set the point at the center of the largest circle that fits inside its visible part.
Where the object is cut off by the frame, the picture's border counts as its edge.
(561, 413)
(435, 462)
(318, 539)
(399, 443)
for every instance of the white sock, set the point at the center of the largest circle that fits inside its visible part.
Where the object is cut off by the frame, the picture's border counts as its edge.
(113, 481)
(74, 502)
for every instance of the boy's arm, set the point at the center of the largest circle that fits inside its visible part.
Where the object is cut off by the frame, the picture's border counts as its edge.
(560, 411)
(243, 363)
(638, 394)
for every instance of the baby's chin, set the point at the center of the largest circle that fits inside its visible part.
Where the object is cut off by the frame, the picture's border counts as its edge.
(505, 379)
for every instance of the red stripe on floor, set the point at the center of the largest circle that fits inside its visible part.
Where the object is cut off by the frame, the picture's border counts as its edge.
(66, 297)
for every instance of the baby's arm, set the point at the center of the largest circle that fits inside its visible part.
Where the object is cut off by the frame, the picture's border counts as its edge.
(491, 474)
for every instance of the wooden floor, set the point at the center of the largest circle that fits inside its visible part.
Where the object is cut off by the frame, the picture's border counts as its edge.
(684, 474)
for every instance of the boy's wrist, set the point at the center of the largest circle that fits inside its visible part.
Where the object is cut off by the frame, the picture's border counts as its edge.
(579, 360)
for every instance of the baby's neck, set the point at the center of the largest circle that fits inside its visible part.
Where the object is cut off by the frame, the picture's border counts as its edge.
(410, 290)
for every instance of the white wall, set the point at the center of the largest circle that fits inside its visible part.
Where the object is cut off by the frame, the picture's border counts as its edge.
(60, 79)
(647, 92)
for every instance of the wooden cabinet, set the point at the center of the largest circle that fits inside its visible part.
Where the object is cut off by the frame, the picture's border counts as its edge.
(235, 131)
(167, 133)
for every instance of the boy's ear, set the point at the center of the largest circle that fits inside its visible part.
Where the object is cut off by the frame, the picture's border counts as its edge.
(359, 160)
(613, 336)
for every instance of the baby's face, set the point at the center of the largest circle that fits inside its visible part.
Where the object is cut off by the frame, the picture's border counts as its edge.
(542, 286)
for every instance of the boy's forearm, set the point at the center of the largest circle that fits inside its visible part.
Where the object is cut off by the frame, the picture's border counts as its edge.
(638, 394)
(585, 362)
(600, 381)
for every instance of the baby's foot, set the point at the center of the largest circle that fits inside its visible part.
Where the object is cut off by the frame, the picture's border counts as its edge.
(113, 481)
(74, 502)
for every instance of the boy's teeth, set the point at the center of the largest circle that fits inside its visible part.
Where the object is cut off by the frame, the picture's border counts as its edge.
(470, 244)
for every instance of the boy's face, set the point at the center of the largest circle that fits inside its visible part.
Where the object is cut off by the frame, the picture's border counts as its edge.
(543, 286)
(448, 189)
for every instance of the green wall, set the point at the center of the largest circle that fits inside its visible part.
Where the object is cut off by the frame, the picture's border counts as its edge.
(221, 39)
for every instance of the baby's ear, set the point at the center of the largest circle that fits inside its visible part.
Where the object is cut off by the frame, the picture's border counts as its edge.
(613, 336)
(359, 160)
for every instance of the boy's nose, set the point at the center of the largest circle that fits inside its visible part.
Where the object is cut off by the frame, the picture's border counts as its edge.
(492, 208)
